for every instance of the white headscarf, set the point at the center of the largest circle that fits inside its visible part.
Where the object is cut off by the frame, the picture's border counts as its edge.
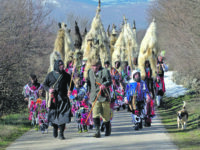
(133, 72)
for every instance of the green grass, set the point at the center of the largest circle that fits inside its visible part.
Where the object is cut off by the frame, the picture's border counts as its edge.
(188, 139)
(13, 126)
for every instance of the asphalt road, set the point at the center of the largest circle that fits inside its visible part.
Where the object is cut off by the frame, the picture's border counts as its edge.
(123, 137)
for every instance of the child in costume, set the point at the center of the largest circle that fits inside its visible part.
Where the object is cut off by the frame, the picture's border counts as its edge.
(80, 100)
(82, 114)
(77, 95)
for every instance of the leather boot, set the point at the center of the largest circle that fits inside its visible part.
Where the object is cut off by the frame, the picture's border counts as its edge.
(97, 127)
(55, 131)
(108, 128)
(140, 124)
(102, 127)
(61, 135)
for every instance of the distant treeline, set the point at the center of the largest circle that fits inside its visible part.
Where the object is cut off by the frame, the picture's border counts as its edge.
(25, 43)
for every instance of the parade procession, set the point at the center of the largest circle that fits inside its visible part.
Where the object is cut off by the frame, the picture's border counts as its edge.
(93, 77)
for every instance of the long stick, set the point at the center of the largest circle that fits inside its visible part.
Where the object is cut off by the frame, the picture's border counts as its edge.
(72, 77)
(93, 105)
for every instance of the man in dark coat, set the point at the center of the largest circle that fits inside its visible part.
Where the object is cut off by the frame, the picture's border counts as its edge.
(100, 79)
(57, 83)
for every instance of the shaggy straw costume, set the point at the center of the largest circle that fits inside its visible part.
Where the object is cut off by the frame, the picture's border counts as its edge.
(126, 45)
(116, 56)
(97, 35)
(69, 47)
(78, 38)
(136, 47)
(69, 63)
(84, 34)
(113, 39)
(59, 45)
(53, 57)
(131, 46)
(93, 55)
(62, 46)
(148, 50)
(78, 55)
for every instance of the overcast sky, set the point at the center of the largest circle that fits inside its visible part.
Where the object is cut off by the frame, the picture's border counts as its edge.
(112, 10)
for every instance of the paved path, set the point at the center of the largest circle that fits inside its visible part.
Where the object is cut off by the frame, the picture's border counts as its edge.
(123, 137)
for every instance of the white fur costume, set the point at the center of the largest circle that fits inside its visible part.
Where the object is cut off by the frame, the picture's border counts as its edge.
(148, 50)
(97, 35)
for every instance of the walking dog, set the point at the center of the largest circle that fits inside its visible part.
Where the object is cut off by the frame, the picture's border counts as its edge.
(182, 116)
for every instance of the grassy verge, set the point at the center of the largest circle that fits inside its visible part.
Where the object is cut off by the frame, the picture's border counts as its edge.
(188, 139)
(13, 126)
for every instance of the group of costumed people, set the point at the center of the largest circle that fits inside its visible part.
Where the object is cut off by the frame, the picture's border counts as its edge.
(88, 85)
(101, 92)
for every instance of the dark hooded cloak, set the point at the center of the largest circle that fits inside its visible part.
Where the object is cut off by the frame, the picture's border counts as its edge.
(60, 111)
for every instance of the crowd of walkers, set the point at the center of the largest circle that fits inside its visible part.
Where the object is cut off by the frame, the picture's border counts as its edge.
(65, 93)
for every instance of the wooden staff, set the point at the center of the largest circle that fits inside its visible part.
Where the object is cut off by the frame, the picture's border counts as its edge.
(72, 77)
(93, 105)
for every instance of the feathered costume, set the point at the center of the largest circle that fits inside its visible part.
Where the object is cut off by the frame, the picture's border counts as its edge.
(43, 115)
(80, 108)
(77, 96)
(31, 92)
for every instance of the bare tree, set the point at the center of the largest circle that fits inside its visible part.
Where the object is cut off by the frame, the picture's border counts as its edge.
(178, 31)
(83, 23)
(25, 43)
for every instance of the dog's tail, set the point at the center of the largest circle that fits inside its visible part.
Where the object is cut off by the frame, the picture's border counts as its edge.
(184, 104)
